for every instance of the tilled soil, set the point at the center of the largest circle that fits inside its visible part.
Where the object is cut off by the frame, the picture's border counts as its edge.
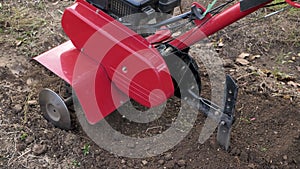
(266, 132)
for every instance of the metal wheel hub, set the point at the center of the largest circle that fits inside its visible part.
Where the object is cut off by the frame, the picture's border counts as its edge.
(54, 109)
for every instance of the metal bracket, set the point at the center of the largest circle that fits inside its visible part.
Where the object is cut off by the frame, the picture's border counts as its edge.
(227, 113)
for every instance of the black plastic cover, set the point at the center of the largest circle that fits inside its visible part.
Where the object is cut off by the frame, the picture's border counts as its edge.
(167, 6)
(102, 4)
(248, 4)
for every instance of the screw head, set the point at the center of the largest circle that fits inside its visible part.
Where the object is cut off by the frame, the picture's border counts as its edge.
(124, 69)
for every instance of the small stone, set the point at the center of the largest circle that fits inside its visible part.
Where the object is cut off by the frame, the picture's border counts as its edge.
(123, 161)
(29, 81)
(251, 165)
(285, 157)
(244, 156)
(168, 156)
(18, 107)
(69, 139)
(129, 164)
(228, 63)
(170, 164)
(77, 150)
(29, 140)
(161, 162)
(144, 162)
(98, 158)
(20, 146)
(252, 68)
(181, 163)
(32, 102)
(97, 152)
(235, 152)
(39, 149)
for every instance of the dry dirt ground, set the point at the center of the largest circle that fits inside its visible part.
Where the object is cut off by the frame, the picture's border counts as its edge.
(266, 133)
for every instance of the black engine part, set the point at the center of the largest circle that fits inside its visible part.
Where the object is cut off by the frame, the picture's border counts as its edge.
(121, 8)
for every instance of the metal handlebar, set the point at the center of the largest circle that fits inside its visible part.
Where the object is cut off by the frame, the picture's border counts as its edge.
(293, 4)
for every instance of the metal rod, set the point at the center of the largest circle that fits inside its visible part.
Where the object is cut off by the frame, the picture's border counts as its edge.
(173, 19)
(68, 101)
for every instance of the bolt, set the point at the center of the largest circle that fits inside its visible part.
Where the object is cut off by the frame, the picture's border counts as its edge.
(124, 69)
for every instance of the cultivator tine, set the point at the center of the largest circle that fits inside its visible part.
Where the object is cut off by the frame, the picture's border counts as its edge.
(227, 118)
(208, 108)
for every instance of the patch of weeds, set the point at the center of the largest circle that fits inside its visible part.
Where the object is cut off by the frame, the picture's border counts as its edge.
(281, 76)
(263, 149)
(247, 120)
(86, 149)
(281, 58)
(278, 7)
(76, 163)
(23, 136)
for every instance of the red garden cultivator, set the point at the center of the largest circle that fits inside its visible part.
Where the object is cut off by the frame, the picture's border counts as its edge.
(126, 49)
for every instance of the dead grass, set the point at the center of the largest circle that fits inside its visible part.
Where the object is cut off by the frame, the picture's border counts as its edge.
(30, 31)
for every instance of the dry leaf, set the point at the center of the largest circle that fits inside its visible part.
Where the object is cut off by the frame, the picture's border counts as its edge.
(286, 96)
(243, 62)
(243, 55)
(19, 43)
(254, 57)
(55, 3)
(221, 44)
(294, 84)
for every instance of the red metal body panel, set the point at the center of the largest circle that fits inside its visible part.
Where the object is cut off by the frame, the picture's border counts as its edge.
(62, 60)
(116, 47)
(160, 36)
(212, 26)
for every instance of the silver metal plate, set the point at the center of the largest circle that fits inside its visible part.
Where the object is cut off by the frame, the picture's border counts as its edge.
(223, 136)
(54, 109)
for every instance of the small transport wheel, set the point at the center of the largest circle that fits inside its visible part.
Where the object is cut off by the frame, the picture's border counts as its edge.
(54, 109)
